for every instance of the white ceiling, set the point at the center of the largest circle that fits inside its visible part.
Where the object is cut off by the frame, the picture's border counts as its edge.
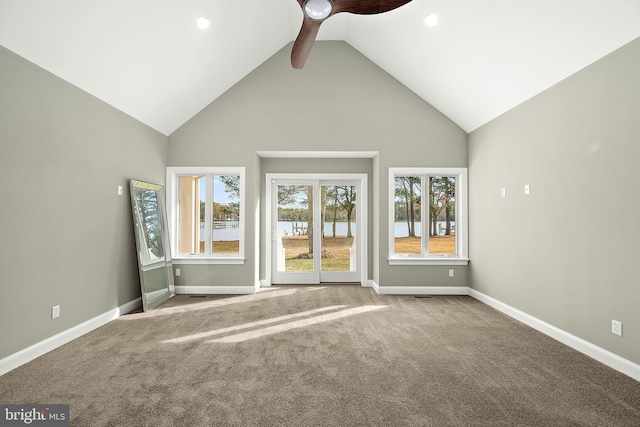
(148, 58)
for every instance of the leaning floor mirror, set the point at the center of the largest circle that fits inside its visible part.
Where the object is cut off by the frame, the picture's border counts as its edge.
(152, 243)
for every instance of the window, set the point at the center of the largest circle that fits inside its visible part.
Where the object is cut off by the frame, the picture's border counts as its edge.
(428, 216)
(206, 214)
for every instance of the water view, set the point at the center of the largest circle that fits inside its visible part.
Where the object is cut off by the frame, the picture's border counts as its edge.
(288, 228)
(230, 231)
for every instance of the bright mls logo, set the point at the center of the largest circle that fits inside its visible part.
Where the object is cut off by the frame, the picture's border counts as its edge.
(36, 415)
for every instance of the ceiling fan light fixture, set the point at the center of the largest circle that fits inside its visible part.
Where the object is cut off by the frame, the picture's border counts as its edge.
(431, 19)
(203, 22)
(318, 10)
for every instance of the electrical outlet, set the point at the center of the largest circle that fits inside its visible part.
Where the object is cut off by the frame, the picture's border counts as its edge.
(120, 190)
(177, 272)
(451, 272)
(503, 192)
(616, 327)
(55, 311)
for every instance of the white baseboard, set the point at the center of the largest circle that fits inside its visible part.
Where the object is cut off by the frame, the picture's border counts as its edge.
(420, 290)
(217, 290)
(601, 355)
(130, 306)
(28, 354)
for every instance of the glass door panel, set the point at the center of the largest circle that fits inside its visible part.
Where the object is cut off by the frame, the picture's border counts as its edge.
(338, 225)
(295, 260)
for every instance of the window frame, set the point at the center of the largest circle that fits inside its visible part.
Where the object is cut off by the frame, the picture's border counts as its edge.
(462, 220)
(172, 214)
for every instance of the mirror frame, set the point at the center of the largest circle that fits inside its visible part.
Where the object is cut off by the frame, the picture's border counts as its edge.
(151, 298)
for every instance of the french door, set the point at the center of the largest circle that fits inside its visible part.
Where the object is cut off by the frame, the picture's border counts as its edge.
(316, 228)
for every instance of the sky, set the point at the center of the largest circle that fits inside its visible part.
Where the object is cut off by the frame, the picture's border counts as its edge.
(219, 190)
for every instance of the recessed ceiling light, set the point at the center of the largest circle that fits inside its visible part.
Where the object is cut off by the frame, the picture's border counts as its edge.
(431, 20)
(203, 22)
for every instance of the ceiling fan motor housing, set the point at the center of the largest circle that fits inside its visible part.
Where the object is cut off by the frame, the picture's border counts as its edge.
(318, 10)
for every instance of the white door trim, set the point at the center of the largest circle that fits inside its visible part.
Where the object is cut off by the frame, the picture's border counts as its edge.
(361, 223)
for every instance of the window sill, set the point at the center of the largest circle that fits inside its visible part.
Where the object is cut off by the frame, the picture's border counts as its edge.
(185, 260)
(427, 261)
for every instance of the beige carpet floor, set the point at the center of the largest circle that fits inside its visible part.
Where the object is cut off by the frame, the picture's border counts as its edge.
(336, 355)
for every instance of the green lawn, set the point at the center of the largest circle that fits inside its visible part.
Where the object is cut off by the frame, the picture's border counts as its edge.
(296, 247)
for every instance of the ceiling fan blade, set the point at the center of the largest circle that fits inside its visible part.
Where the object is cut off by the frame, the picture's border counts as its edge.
(324, 9)
(367, 7)
(304, 42)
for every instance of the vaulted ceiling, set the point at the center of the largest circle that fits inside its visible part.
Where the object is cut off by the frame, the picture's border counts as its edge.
(150, 60)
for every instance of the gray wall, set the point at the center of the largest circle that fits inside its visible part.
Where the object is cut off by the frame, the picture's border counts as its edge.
(67, 236)
(340, 101)
(567, 252)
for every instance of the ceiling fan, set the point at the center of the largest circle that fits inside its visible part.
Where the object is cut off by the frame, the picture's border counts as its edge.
(315, 12)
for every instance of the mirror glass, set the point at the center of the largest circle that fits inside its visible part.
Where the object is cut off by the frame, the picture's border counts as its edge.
(152, 243)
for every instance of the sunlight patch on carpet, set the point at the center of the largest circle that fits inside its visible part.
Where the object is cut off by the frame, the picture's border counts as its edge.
(258, 333)
(250, 325)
